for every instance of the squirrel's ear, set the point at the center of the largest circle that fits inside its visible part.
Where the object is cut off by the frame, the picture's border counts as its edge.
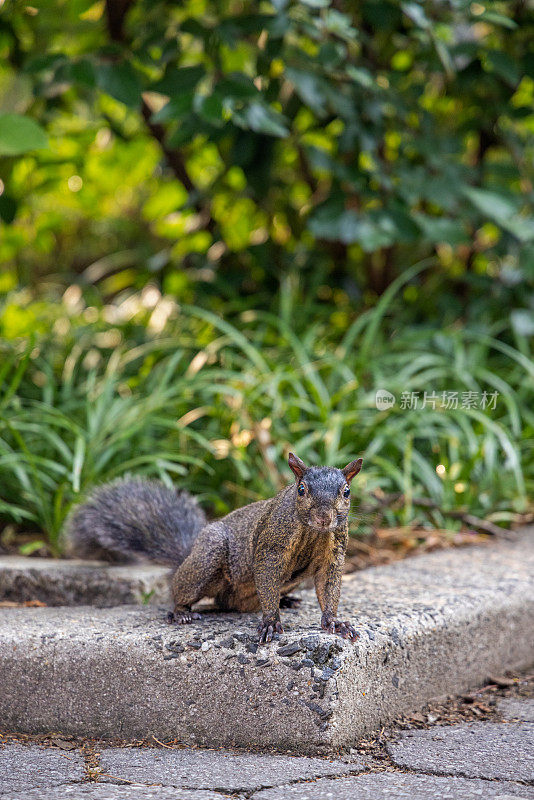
(297, 466)
(352, 469)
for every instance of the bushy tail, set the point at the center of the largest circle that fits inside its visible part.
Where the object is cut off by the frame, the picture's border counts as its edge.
(131, 520)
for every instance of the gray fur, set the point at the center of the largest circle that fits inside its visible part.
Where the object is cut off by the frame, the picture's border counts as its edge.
(133, 519)
(324, 482)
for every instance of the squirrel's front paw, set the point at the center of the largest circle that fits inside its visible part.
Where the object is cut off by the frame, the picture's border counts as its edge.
(342, 628)
(268, 627)
(182, 616)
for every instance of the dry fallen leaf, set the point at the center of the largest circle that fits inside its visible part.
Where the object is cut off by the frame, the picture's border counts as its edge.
(24, 604)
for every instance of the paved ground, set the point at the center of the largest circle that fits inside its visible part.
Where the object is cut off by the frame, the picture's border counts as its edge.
(491, 759)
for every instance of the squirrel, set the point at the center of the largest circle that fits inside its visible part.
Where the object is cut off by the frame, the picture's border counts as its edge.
(249, 560)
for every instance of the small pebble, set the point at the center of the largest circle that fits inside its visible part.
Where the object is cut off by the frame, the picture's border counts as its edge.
(310, 642)
(289, 649)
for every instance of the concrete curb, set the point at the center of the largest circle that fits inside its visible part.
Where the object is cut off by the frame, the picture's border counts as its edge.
(75, 582)
(429, 626)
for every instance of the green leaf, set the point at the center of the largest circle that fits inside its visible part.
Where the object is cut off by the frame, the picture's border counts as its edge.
(332, 54)
(382, 16)
(309, 87)
(121, 82)
(523, 321)
(20, 134)
(361, 76)
(444, 56)
(417, 14)
(323, 222)
(77, 463)
(209, 107)
(235, 27)
(237, 86)
(187, 129)
(30, 548)
(441, 229)
(504, 66)
(178, 79)
(83, 72)
(339, 24)
(520, 227)
(261, 119)
(333, 224)
(44, 63)
(195, 28)
(372, 236)
(175, 108)
(497, 19)
(492, 204)
(406, 229)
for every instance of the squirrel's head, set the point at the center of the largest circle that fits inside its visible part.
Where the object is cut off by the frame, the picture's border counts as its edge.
(323, 493)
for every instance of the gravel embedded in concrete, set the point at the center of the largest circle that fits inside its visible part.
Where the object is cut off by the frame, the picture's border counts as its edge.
(475, 749)
(100, 791)
(517, 708)
(397, 786)
(24, 767)
(213, 769)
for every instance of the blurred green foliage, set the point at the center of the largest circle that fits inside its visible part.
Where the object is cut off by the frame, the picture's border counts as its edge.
(208, 213)
(216, 145)
(180, 393)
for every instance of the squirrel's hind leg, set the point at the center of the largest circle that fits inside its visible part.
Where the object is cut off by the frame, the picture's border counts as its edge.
(290, 601)
(201, 574)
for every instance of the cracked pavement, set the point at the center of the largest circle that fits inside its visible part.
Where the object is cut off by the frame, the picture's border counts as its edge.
(463, 761)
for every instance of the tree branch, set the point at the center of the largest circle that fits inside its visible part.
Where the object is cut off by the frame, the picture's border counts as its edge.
(116, 11)
(176, 162)
(174, 157)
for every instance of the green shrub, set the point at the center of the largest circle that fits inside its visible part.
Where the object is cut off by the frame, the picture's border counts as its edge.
(215, 404)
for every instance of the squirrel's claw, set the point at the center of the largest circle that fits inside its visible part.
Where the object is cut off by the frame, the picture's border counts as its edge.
(182, 616)
(342, 628)
(267, 629)
(346, 630)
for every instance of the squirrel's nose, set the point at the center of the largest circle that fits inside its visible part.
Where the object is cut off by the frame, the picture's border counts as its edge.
(322, 518)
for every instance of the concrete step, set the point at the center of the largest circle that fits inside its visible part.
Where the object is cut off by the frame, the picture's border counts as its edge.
(428, 626)
(76, 582)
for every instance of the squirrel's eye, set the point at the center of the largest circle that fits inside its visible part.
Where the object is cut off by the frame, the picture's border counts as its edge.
(301, 489)
(346, 492)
